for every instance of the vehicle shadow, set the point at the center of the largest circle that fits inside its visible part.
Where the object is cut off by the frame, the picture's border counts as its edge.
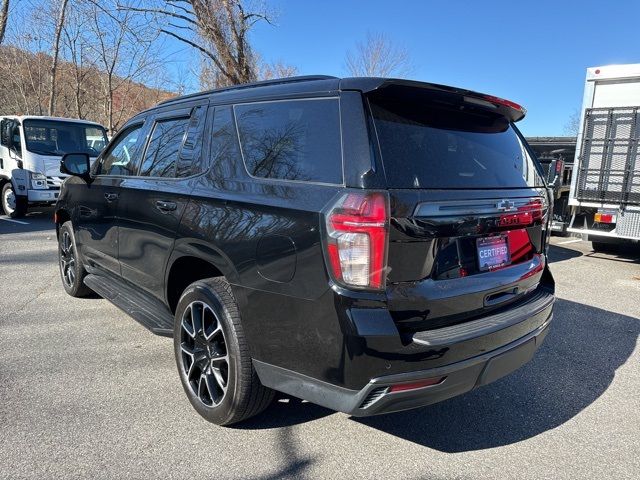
(624, 254)
(38, 220)
(285, 411)
(560, 254)
(573, 368)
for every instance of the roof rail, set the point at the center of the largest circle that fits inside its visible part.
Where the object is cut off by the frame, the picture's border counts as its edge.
(262, 83)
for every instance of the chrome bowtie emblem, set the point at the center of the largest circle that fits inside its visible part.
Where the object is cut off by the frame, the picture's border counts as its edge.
(505, 205)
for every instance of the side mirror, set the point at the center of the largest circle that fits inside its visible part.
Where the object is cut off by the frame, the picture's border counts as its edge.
(77, 164)
(7, 128)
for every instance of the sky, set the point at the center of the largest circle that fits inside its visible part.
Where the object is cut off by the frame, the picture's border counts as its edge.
(532, 52)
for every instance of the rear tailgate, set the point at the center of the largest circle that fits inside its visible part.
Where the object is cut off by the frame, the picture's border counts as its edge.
(469, 208)
(441, 243)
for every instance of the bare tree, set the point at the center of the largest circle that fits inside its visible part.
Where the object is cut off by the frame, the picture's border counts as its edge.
(24, 67)
(109, 64)
(4, 14)
(75, 45)
(216, 29)
(277, 69)
(123, 51)
(55, 51)
(378, 56)
(572, 127)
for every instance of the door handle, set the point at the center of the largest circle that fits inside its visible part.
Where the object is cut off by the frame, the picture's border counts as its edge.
(165, 206)
(110, 197)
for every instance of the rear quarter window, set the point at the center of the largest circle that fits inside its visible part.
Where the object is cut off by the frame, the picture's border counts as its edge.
(295, 140)
(430, 145)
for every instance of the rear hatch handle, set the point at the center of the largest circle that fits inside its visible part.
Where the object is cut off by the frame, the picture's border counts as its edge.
(500, 297)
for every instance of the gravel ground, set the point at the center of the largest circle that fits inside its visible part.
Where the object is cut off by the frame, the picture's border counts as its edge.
(86, 392)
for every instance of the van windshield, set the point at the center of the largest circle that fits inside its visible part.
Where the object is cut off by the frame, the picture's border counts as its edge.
(428, 143)
(50, 137)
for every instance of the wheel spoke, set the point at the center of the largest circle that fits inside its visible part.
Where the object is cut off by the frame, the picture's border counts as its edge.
(187, 322)
(221, 375)
(204, 391)
(196, 317)
(215, 396)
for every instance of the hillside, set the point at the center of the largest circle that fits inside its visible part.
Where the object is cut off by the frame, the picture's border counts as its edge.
(81, 92)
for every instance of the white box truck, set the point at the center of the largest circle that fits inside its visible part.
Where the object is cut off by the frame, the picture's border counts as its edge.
(605, 188)
(30, 151)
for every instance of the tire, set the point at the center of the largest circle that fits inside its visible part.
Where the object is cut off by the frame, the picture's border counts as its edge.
(13, 205)
(72, 271)
(212, 355)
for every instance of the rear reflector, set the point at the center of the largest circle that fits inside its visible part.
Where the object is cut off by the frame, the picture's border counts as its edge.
(604, 218)
(402, 387)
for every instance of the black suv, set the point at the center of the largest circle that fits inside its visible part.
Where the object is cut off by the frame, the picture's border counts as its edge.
(367, 244)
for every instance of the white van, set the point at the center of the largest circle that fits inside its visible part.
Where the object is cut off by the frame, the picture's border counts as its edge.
(30, 151)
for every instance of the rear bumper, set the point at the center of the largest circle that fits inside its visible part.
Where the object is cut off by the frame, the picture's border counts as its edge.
(459, 378)
(507, 341)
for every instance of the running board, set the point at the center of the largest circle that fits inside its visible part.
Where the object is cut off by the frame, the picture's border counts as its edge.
(150, 313)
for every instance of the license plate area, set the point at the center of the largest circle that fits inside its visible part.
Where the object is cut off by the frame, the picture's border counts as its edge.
(493, 252)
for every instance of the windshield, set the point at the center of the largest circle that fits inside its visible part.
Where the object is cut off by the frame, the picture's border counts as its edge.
(427, 144)
(50, 137)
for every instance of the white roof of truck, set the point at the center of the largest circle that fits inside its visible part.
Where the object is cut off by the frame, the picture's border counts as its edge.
(54, 119)
(611, 72)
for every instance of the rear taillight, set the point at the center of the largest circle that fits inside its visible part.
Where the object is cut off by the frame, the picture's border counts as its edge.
(357, 227)
(527, 214)
(603, 217)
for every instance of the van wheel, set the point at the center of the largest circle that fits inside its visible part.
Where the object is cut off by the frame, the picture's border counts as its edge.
(72, 271)
(15, 206)
(212, 355)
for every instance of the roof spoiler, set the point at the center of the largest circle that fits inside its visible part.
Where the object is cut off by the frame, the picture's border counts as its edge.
(507, 108)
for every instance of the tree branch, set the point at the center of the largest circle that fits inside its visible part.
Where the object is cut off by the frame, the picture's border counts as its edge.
(199, 48)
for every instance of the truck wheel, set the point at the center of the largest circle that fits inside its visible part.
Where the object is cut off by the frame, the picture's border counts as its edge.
(72, 271)
(212, 355)
(15, 206)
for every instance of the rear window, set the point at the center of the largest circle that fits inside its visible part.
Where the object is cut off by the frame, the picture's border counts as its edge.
(428, 144)
(292, 140)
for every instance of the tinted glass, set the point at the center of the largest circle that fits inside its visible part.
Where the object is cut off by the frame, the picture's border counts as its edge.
(292, 140)
(189, 161)
(162, 153)
(123, 154)
(57, 138)
(225, 152)
(432, 145)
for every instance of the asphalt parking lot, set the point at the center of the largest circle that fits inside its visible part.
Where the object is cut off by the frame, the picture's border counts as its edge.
(86, 392)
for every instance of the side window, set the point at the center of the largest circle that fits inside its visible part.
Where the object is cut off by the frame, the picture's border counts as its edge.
(161, 157)
(225, 152)
(292, 140)
(189, 160)
(121, 157)
(17, 140)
